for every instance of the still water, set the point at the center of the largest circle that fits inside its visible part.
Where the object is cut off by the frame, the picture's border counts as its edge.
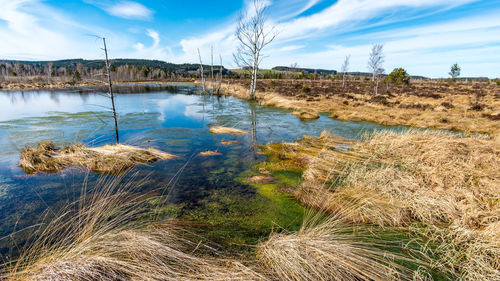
(173, 118)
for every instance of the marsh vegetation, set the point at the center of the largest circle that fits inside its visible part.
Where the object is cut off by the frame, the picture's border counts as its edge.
(360, 201)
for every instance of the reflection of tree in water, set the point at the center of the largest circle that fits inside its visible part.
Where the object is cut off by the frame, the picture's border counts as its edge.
(84, 97)
(54, 96)
(253, 117)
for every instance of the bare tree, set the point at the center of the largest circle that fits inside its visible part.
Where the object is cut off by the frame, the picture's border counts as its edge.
(253, 36)
(345, 68)
(294, 69)
(202, 72)
(111, 95)
(212, 68)
(375, 63)
(50, 65)
(219, 77)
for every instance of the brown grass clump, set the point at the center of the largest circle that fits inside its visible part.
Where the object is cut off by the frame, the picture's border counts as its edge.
(46, 158)
(210, 153)
(327, 250)
(224, 142)
(306, 115)
(227, 131)
(265, 179)
(448, 184)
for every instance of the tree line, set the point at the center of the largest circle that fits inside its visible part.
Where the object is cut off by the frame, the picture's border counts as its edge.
(84, 70)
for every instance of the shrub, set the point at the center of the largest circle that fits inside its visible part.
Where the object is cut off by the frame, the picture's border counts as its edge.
(398, 76)
(305, 89)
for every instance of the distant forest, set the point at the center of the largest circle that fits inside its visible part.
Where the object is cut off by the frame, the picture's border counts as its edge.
(77, 70)
(80, 70)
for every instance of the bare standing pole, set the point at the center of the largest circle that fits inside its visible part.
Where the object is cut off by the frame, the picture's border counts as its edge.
(111, 91)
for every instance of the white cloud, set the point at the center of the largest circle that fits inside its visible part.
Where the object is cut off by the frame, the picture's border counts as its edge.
(155, 36)
(139, 46)
(351, 11)
(291, 48)
(129, 10)
(155, 51)
(35, 31)
(425, 50)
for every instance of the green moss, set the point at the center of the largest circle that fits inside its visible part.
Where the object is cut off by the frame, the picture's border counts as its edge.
(233, 219)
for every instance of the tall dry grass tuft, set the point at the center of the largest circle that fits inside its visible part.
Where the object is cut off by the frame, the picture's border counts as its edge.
(328, 250)
(441, 186)
(102, 237)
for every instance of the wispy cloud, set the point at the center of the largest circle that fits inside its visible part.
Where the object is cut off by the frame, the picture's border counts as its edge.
(129, 10)
(291, 48)
(155, 50)
(36, 31)
(349, 11)
(424, 50)
(123, 9)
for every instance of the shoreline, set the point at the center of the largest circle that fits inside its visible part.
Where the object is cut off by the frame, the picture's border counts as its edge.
(413, 111)
(38, 86)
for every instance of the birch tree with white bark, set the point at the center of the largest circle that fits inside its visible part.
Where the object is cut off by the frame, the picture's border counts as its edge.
(375, 63)
(345, 68)
(253, 36)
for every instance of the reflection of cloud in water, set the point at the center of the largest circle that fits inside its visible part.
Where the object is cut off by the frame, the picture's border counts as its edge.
(179, 105)
(195, 111)
(16, 105)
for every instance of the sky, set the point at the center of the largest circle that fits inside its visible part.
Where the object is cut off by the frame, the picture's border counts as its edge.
(423, 36)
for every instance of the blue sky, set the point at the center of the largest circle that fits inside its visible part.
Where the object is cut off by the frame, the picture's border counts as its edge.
(423, 36)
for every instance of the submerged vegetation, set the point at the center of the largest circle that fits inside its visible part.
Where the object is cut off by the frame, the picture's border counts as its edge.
(47, 158)
(439, 187)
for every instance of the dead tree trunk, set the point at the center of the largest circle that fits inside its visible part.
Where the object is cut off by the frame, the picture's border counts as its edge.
(219, 80)
(111, 95)
(202, 72)
(212, 68)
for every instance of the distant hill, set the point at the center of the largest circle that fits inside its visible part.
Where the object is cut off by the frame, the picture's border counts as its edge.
(98, 64)
(368, 74)
(305, 70)
(80, 70)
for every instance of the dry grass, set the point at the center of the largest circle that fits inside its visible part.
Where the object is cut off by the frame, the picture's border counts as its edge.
(22, 84)
(224, 142)
(306, 115)
(46, 158)
(422, 105)
(210, 153)
(450, 185)
(227, 131)
(327, 250)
